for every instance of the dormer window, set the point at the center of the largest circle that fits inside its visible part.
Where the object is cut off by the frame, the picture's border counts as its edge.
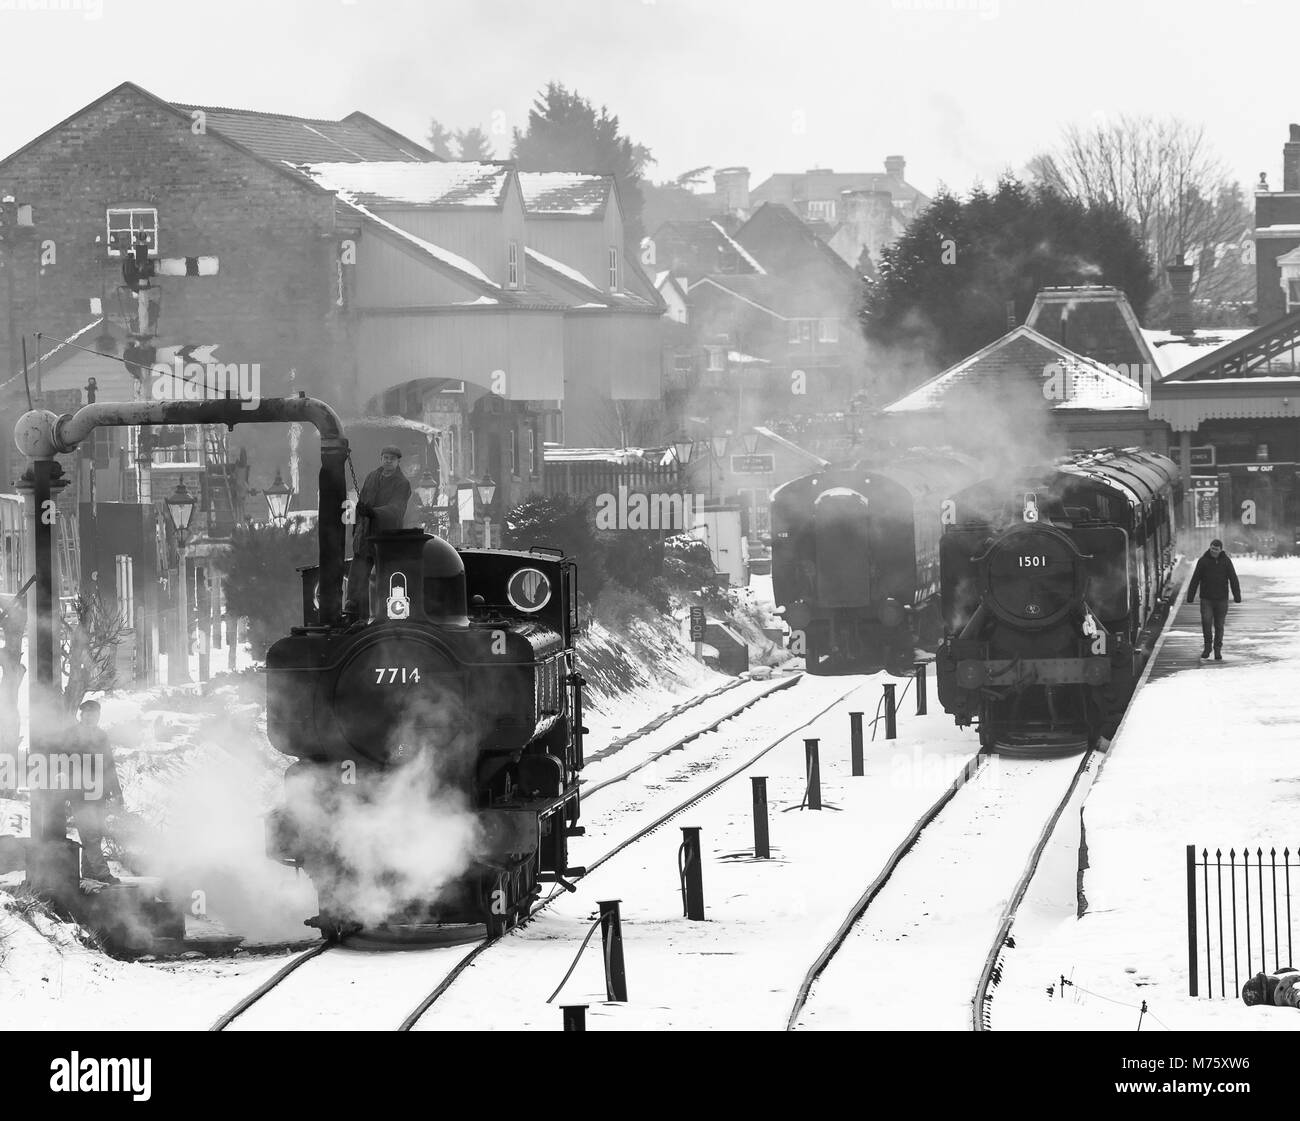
(1289, 264)
(512, 266)
(125, 224)
(613, 268)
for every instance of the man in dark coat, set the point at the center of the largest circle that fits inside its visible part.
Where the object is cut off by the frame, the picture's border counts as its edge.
(381, 508)
(99, 787)
(1214, 575)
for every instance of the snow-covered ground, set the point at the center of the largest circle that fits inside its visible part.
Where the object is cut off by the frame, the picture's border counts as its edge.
(1208, 755)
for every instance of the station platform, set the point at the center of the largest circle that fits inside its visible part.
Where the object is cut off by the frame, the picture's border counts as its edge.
(1208, 755)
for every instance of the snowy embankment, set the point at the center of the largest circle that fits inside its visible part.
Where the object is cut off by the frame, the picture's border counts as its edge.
(1208, 755)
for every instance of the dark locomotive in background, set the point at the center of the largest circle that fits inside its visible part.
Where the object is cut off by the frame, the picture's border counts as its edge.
(466, 667)
(855, 558)
(1036, 588)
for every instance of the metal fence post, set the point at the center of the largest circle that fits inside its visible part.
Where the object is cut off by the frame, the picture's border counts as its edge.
(575, 1017)
(762, 849)
(855, 742)
(891, 713)
(690, 868)
(921, 709)
(611, 935)
(814, 774)
(1191, 921)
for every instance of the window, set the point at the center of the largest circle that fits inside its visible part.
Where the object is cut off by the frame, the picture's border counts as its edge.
(828, 330)
(532, 452)
(126, 587)
(472, 466)
(104, 447)
(124, 225)
(823, 209)
(512, 266)
(801, 331)
(683, 362)
(613, 269)
(514, 451)
(715, 357)
(173, 445)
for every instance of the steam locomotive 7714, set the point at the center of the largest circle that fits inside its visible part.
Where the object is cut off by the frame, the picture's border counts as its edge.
(1050, 585)
(855, 558)
(458, 703)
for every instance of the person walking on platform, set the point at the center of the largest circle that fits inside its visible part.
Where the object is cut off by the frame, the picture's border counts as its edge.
(1214, 576)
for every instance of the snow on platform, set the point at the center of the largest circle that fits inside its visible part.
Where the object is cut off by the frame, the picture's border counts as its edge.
(1208, 755)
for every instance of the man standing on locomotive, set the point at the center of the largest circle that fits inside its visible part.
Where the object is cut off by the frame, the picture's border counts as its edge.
(381, 507)
(1213, 576)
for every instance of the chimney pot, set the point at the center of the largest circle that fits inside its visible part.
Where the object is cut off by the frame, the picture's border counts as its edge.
(1181, 321)
(1291, 161)
(894, 165)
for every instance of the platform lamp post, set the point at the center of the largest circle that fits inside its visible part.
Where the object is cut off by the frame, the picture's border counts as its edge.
(487, 490)
(278, 497)
(427, 492)
(180, 508)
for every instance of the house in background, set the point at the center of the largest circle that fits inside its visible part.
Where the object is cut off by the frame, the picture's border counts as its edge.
(353, 266)
(767, 328)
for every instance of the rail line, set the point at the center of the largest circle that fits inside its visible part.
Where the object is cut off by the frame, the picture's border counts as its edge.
(968, 779)
(658, 823)
(481, 945)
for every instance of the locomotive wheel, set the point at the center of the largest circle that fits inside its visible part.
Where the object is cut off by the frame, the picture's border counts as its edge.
(513, 890)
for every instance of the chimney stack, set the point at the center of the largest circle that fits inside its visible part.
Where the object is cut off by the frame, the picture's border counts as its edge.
(1291, 161)
(732, 187)
(894, 166)
(1181, 321)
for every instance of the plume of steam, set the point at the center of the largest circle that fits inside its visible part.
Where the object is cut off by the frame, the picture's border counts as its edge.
(393, 841)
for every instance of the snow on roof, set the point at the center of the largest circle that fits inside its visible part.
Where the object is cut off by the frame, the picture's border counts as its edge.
(790, 446)
(443, 256)
(392, 422)
(737, 358)
(395, 183)
(623, 457)
(1086, 384)
(564, 192)
(1173, 352)
(482, 300)
(564, 270)
(731, 241)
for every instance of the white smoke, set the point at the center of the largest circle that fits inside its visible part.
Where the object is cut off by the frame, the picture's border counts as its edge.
(396, 841)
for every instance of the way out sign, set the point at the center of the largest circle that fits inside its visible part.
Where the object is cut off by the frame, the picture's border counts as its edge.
(697, 624)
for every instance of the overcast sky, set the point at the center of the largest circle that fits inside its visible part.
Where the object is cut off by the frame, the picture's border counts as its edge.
(962, 88)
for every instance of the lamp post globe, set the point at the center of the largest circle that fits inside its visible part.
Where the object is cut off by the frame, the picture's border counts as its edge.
(487, 490)
(278, 497)
(426, 488)
(180, 508)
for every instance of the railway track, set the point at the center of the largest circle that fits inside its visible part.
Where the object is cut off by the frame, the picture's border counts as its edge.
(901, 958)
(339, 967)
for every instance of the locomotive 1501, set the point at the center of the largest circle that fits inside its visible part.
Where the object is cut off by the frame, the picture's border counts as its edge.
(1051, 586)
(463, 684)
